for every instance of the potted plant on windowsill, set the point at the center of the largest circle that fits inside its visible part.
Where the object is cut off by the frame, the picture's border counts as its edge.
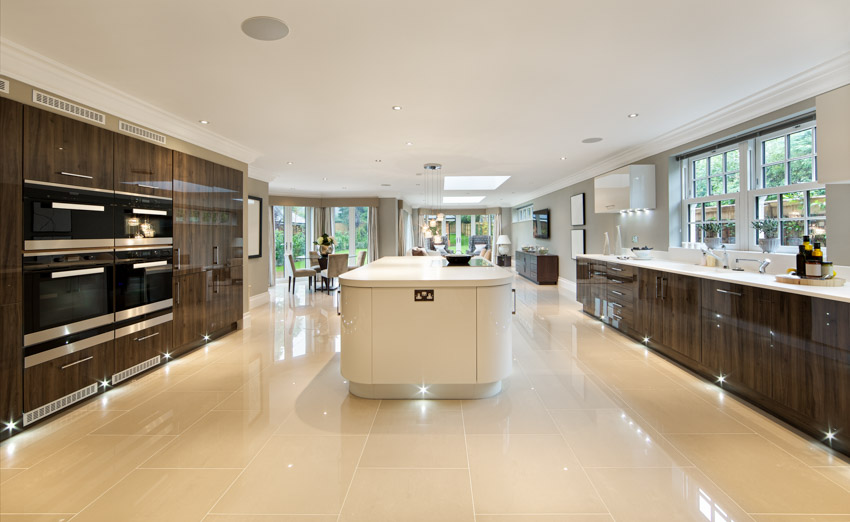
(712, 234)
(326, 244)
(769, 229)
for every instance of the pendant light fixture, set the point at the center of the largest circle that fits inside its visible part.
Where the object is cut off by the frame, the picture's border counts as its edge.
(433, 175)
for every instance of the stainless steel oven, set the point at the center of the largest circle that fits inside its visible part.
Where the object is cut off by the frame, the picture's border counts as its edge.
(142, 220)
(63, 216)
(142, 281)
(66, 293)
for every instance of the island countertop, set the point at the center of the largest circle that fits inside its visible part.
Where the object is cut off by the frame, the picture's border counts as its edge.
(408, 271)
(767, 281)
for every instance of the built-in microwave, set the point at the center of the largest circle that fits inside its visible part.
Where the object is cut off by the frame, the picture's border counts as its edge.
(142, 220)
(142, 281)
(66, 293)
(63, 216)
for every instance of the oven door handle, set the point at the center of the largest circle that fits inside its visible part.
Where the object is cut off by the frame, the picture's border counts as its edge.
(150, 264)
(149, 212)
(75, 273)
(77, 206)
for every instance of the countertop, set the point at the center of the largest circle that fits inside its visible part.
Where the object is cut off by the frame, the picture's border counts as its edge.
(748, 277)
(416, 271)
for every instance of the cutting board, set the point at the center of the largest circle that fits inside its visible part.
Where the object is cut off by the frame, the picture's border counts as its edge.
(794, 280)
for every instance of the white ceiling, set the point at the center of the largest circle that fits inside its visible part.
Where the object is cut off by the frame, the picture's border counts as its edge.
(488, 87)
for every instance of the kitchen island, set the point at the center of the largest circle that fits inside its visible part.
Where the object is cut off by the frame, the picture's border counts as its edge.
(413, 327)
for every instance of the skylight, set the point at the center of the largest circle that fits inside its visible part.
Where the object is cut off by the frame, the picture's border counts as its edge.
(473, 182)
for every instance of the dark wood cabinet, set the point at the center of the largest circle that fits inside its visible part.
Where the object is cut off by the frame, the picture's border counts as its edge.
(591, 286)
(142, 167)
(667, 311)
(11, 364)
(189, 323)
(54, 379)
(191, 190)
(142, 346)
(66, 151)
(541, 269)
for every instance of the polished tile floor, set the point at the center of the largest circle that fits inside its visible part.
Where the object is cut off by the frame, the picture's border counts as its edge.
(258, 426)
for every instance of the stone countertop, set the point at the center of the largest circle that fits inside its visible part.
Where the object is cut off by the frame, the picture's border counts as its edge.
(747, 277)
(416, 271)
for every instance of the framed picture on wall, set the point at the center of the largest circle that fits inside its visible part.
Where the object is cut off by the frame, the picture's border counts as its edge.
(576, 242)
(255, 227)
(577, 210)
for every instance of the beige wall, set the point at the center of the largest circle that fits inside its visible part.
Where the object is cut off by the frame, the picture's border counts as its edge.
(661, 227)
(257, 278)
(388, 227)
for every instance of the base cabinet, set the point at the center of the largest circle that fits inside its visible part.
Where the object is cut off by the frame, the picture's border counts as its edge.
(537, 268)
(142, 346)
(667, 311)
(189, 299)
(56, 379)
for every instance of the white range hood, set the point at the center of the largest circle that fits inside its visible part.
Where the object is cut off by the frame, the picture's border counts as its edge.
(626, 189)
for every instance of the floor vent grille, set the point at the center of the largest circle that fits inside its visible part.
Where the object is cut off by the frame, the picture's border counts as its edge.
(129, 128)
(139, 368)
(4, 85)
(64, 106)
(58, 404)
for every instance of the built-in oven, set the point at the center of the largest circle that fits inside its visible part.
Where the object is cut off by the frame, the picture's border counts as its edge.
(142, 281)
(142, 220)
(63, 216)
(66, 293)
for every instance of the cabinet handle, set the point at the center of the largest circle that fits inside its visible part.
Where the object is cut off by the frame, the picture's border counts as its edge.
(614, 268)
(215, 254)
(513, 290)
(77, 362)
(663, 292)
(338, 299)
(617, 317)
(139, 171)
(615, 292)
(178, 263)
(616, 281)
(618, 305)
(75, 175)
(722, 291)
(178, 292)
(137, 339)
(656, 287)
(147, 186)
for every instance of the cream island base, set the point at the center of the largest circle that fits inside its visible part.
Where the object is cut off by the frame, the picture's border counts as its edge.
(413, 328)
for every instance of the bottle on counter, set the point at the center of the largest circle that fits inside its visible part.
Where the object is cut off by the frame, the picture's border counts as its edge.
(817, 253)
(801, 261)
(808, 246)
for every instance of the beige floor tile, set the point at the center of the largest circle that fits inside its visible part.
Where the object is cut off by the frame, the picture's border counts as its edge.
(761, 477)
(614, 438)
(163, 495)
(330, 414)
(271, 518)
(35, 444)
(52, 517)
(217, 377)
(68, 480)
(295, 475)
(634, 374)
(528, 474)
(576, 391)
(7, 473)
(220, 439)
(544, 518)
(802, 518)
(680, 412)
(838, 474)
(656, 494)
(513, 411)
(168, 413)
(411, 495)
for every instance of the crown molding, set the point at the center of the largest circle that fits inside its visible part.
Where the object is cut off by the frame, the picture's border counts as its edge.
(822, 78)
(25, 65)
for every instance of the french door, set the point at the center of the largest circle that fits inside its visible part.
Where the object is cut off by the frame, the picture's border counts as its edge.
(290, 238)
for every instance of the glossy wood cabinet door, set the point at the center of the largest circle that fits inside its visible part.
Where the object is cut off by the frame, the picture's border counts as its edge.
(831, 335)
(192, 189)
(189, 324)
(59, 377)
(11, 209)
(142, 167)
(11, 363)
(649, 320)
(142, 346)
(216, 299)
(680, 296)
(234, 298)
(66, 151)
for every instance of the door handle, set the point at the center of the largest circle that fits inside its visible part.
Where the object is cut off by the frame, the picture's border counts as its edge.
(722, 291)
(215, 254)
(614, 268)
(77, 362)
(74, 273)
(75, 175)
(149, 212)
(513, 290)
(77, 206)
(137, 339)
(615, 292)
(178, 292)
(136, 266)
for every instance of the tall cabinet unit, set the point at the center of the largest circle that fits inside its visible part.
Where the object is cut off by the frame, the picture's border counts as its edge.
(207, 250)
(11, 356)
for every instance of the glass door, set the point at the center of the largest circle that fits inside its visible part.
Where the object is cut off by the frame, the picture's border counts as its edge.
(290, 237)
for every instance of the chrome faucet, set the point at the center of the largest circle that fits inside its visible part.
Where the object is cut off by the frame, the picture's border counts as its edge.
(724, 260)
(762, 266)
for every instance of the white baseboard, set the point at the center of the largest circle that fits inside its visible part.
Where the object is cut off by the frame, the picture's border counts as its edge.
(566, 284)
(259, 300)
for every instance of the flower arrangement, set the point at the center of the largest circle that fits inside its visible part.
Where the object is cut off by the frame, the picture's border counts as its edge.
(325, 243)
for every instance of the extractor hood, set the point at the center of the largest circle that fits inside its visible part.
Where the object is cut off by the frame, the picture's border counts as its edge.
(626, 189)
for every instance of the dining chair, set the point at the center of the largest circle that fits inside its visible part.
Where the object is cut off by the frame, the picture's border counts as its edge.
(315, 264)
(361, 260)
(299, 272)
(337, 265)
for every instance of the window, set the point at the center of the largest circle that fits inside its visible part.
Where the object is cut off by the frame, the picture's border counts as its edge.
(771, 176)
(523, 214)
(351, 230)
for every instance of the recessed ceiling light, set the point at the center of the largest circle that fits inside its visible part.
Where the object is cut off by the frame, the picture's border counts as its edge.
(463, 199)
(396, 107)
(386, 185)
(204, 122)
(591, 140)
(563, 158)
(265, 28)
(324, 179)
(473, 182)
(634, 115)
(289, 163)
(409, 143)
